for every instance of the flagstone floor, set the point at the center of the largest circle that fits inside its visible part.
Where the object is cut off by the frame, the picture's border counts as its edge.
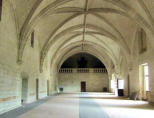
(83, 105)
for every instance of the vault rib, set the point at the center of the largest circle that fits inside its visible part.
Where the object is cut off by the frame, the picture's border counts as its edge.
(84, 21)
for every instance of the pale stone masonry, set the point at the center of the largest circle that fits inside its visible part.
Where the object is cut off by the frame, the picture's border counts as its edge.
(95, 82)
(106, 29)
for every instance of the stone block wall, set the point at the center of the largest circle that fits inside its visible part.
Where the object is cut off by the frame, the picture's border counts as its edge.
(10, 85)
(12, 73)
(95, 82)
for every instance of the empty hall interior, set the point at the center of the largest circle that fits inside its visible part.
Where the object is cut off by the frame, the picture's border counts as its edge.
(76, 58)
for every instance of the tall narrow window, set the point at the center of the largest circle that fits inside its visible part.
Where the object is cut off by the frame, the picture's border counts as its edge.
(1, 1)
(144, 86)
(112, 84)
(120, 84)
(32, 39)
(142, 41)
(146, 77)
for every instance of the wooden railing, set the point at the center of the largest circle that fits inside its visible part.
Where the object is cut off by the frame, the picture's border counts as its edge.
(82, 70)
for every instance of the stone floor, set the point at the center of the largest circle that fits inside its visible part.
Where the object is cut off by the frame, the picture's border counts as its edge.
(83, 105)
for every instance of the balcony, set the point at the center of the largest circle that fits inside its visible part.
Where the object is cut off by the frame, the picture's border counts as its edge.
(82, 70)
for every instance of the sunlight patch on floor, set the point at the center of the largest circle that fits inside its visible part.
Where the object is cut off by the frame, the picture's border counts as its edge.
(124, 108)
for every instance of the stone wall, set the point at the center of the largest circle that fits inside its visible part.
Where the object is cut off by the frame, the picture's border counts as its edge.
(10, 83)
(137, 60)
(95, 82)
(12, 73)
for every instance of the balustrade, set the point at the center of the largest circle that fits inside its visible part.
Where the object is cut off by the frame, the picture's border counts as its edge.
(82, 70)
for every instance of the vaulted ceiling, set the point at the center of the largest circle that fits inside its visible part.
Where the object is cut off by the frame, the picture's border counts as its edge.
(105, 28)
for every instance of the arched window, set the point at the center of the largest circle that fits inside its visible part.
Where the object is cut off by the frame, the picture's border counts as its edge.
(0, 9)
(142, 41)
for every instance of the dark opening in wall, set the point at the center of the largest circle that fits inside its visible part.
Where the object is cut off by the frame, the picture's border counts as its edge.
(32, 39)
(82, 60)
(142, 38)
(1, 2)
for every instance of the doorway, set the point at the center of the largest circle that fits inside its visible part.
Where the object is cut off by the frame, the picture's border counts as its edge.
(37, 89)
(24, 91)
(83, 86)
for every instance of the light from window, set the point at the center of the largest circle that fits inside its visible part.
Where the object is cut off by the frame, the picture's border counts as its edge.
(146, 76)
(112, 84)
(120, 84)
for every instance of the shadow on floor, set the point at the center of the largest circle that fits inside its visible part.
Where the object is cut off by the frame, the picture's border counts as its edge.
(23, 109)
